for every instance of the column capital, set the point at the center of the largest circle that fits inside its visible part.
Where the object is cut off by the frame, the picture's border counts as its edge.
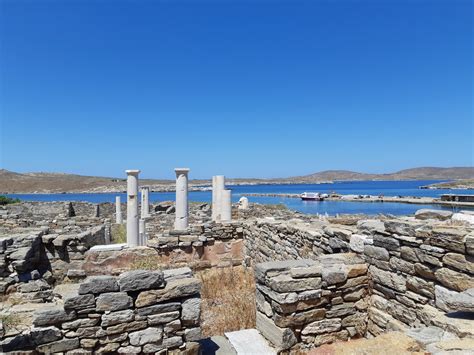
(179, 171)
(132, 172)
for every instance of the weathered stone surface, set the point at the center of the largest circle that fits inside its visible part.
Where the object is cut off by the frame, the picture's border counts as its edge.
(387, 278)
(285, 283)
(149, 335)
(454, 280)
(79, 302)
(191, 311)
(398, 264)
(192, 334)
(322, 326)
(118, 317)
(334, 274)
(376, 252)
(357, 242)
(82, 322)
(52, 316)
(448, 238)
(452, 301)
(282, 298)
(299, 318)
(139, 280)
(262, 269)
(159, 308)
(371, 226)
(99, 284)
(45, 335)
(129, 350)
(162, 318)
(439, 215)
(463, 263)
(281, 338)
(113, 301)
(174, 289)
(59, 346)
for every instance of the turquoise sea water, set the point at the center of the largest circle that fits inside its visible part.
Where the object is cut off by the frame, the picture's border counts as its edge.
(387, 188)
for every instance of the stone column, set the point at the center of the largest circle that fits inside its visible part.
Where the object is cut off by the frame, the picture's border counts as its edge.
(243, 203)
(145, 201)
(217, 188)
(118, 210)
(226, 206)
(181, 221)
(142, 232)
(132, 207)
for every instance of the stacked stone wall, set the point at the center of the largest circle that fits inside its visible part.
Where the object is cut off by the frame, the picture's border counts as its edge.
(137, 312)
(312, 302)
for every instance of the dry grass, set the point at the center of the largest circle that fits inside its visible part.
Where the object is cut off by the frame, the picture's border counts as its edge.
(118, 233)
(228, 300)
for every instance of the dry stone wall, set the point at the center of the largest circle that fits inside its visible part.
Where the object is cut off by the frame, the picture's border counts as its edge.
(136, 312)
(312, 302)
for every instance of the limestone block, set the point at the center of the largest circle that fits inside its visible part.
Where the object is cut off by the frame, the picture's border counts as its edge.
(52, 315)
(281, 338)
(191, 311)
(98, 284)
(138, 280)
(44, 335)
(439, 215)
(59, 346)
(376, 252)
(322, 326)
(174, 289)
(162, 318)
(454, 280)
(113, 301)
(387, 278)
(118, 317)
(149, 335)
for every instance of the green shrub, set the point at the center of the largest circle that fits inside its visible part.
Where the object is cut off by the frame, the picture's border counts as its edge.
(5, 200)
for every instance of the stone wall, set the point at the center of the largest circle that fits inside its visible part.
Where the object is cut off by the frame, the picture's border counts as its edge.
(270, 240)
(418, 271)
(312, 302)
(137, 312)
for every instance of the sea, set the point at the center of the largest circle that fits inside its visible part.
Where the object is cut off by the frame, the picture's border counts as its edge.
(386, 188)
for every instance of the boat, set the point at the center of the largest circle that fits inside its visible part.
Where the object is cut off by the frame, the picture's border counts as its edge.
(311, 196)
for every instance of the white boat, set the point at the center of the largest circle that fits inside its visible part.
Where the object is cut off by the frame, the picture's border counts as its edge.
(311, 196)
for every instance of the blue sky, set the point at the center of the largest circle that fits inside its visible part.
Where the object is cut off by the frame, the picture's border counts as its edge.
(241, 88)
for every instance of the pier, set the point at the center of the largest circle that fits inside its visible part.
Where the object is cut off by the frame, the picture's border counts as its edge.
(371, 198)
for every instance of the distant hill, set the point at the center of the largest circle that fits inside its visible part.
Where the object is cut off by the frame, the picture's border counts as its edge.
(424, 173)
(41, 182)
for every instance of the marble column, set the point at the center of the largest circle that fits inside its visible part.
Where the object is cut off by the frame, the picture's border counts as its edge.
(181, 221)
(142, 232)
(118, 210)
(145, 202)
(217, 188)
(132, 207)
(226, 206)
(243, 203)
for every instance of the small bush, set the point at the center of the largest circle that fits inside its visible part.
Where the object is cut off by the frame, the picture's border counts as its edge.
(5, 200)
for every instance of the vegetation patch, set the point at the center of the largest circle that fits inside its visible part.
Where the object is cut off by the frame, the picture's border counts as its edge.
(5, 200)
(228, 300)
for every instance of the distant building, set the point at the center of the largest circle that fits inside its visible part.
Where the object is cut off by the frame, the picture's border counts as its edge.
(457, 198)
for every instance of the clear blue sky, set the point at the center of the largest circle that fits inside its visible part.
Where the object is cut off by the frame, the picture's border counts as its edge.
(241, 88)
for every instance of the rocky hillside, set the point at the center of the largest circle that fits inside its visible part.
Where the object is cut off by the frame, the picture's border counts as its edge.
(12, 182)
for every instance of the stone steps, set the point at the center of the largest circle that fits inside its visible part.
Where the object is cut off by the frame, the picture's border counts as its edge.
(249, 342)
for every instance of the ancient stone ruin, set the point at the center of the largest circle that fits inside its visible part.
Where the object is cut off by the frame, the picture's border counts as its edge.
(321, 283)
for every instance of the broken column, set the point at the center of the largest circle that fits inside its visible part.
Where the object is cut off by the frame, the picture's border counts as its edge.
(118, 210)
(145, 201)
(243, 203)
(181, 221)
(218, 185)
(132, 208)
(142, 232)
(226, 206)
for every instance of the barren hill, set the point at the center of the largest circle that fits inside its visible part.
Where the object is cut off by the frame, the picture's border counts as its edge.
(12, 182)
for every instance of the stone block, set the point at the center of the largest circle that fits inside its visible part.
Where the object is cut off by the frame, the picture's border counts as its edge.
(139, 280)
(118, 317)
(177, 288)
(99, 284)
(146, 336)
(52, 315)
(113, 301)
(191, 311)
(281, 338)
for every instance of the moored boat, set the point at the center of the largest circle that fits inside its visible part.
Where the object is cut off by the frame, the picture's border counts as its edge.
(311, 196)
